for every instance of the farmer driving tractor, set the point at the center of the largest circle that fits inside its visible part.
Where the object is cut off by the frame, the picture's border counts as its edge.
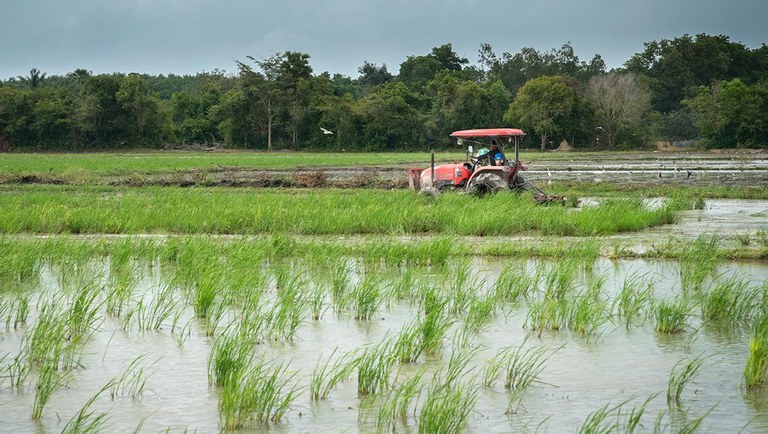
(494, 155)
(497, 157)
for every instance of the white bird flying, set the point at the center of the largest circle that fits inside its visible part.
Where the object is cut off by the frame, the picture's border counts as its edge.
(326, 131)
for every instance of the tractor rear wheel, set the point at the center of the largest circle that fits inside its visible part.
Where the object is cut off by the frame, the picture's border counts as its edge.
(486, 183)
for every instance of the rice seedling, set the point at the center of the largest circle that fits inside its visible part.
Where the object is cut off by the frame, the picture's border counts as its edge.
(87, 420)
(479, 313)
(48, 382)
(52, 341)
(634, 297)
(324, 378)
(262, 393)
(374, 368)
(559, 281)
(446, 408)
(435, 323)
(682, 373)
(182, 333)
(340, 282)
(613, 418)
(15, 311)
(404, 287)
(289, 309)
(17, 372)
(84, 311)
(756, 370)
(152, 310)
(366, 297)
(547, 314)
(520, 367)
(464, 285)
(699, 261)
(317, 302)
(230, 355)
(133, 380)
(730, 303)
(671, 316)
(743, 239)
(120, 291)
(762, 237)
(408, 345)
(398, 403)
(515, 283)
(588, 311)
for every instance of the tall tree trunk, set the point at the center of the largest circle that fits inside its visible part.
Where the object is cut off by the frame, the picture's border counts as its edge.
(543, 141)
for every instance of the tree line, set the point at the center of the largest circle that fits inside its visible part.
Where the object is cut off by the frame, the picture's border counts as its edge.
(701, 87)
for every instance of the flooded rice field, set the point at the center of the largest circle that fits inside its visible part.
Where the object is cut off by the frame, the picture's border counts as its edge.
(194, 341)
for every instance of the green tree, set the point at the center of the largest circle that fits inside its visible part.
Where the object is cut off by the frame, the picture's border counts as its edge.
(34, 79)
(390, 119)
(145, 123)
(676, 68)
(544, 105)
(464, 104)
(732, 114)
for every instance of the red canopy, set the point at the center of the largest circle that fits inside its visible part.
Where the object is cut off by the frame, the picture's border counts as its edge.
(489, 132)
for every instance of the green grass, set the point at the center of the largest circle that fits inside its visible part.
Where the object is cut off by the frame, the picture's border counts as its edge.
(682, 373)
(114, 210)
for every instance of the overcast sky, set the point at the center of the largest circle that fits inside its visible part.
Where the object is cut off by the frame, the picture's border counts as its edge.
(190, 36)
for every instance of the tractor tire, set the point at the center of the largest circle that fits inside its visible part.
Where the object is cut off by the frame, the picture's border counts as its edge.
(486, 183)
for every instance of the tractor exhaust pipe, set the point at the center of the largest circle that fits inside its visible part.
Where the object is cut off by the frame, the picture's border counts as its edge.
(432, 166)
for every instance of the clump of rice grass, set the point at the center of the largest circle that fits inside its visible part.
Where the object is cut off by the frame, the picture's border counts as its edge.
(699, 261)
(230, 355)
(374, 368)
(671, 316)
(588, 311)
(260, 394)
(366, 297)
(133, 380)
(479, 313)
(408, 345)
(547, 314)
(87, 420)
(613, 418)
(633, 298)
(520, 367)
(317, 302)
(16, 372)
(514, 283)
(54, 340)
(435, 323)
(398, 402)
(152, 310)
(730, 303)
(16, 311)
(756, 370)
(324, 378)
(682, 373)
(49, 380)
(449, 401)
(464, 286)
(121, 285)
(340, 283)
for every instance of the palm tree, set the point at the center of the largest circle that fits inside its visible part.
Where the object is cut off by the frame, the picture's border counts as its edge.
(35, 78)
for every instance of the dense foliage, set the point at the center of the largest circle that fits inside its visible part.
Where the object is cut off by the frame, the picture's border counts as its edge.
(703, 87)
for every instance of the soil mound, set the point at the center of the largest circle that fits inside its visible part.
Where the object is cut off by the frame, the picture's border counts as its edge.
(564, 146)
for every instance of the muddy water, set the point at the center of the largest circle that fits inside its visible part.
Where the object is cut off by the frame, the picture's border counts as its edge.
(585, 374)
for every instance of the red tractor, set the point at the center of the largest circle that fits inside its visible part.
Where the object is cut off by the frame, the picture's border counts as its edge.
(483, 172)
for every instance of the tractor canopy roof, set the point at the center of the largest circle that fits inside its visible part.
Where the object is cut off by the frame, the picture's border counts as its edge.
(489, 132)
